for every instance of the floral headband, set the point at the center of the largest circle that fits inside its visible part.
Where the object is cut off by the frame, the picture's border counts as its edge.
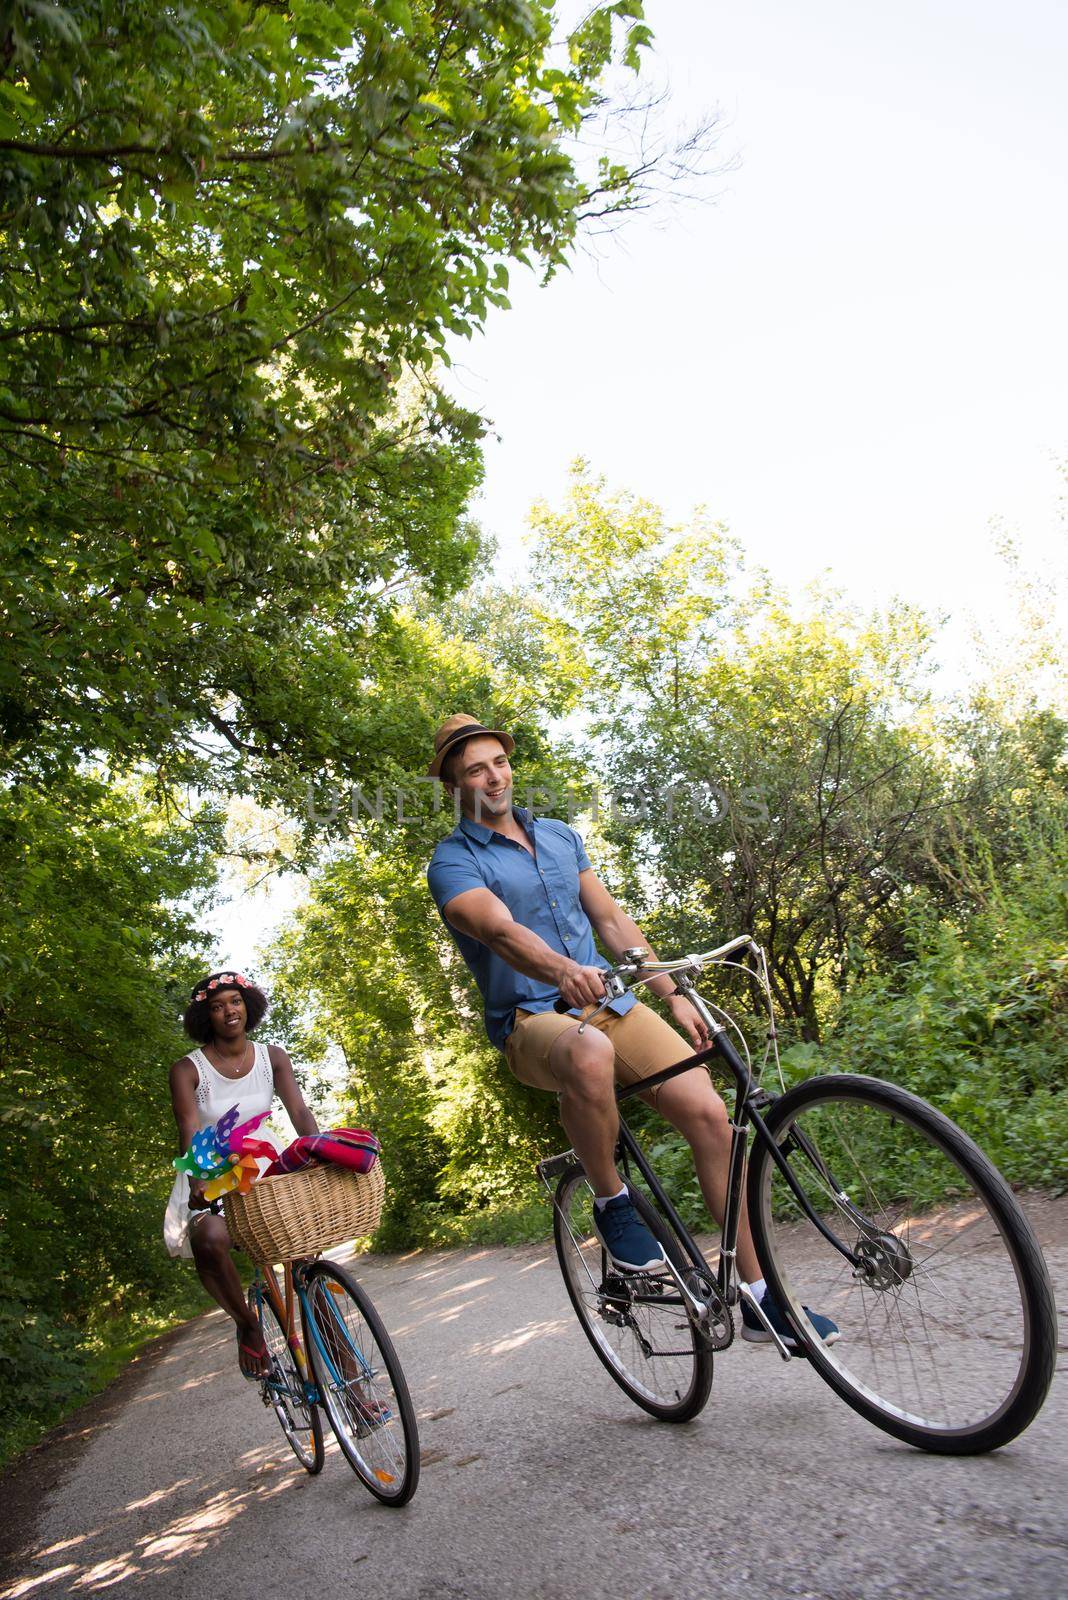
(225, 980)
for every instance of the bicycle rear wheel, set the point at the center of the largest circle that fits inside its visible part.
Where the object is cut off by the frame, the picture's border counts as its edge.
(637, 1323)
(283, 1389)
(362, 1384)
(947, 1317)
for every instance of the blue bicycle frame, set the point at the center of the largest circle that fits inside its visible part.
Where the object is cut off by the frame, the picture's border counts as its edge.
(262, 1287)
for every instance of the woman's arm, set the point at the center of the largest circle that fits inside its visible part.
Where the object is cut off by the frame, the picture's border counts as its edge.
(288, 1091)
(184, 1080)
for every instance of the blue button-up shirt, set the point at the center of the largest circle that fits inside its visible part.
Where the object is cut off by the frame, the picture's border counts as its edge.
(540, 890)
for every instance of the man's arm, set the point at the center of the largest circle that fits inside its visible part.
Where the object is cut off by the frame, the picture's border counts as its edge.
(482, 915)
(618, 932)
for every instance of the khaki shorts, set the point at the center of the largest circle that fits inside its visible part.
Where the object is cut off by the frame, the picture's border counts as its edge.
(644, 1044)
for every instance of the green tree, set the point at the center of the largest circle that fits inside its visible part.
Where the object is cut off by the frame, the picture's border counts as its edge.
(234, 242)
(784, 767)
(772, 767)
(98, 942)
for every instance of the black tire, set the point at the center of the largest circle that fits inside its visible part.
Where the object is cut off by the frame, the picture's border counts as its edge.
(948, 1251)
(348, 1332)
(673, 1383)
(283, 1390)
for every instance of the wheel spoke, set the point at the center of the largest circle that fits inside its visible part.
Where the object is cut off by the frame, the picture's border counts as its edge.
(362, 1385)
(636, 1323)
(938, 1340)
(284, 1390)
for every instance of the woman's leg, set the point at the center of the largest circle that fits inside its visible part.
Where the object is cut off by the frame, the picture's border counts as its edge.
(210, 1243)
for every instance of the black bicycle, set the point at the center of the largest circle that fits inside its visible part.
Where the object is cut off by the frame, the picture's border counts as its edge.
(864, 1202)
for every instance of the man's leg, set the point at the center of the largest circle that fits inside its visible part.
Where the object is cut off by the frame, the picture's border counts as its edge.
(690, 1104)
(547, 1051)
(583, 1065)
(644, 1045)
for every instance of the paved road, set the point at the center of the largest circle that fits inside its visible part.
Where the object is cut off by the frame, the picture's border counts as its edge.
(540, 1479)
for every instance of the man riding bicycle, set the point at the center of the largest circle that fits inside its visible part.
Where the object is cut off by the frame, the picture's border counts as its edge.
(522, 902)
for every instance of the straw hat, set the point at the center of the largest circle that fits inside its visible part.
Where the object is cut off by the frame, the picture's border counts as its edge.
(454, 731)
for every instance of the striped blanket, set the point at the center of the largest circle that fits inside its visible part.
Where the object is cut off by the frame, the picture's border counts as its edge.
(354, 1148)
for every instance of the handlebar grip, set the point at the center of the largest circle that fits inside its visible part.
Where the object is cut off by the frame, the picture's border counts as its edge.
(561, 1005)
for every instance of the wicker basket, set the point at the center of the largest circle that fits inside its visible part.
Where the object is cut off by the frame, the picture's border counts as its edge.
(301, 1213)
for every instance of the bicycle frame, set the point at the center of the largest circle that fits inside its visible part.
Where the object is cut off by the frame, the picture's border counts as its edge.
(750, 1098)
(296, 1292)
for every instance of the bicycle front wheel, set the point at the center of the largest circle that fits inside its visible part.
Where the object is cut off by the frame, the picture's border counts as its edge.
(362, 1384)
(636, 1322)
(283, 1388)
(948, 1327)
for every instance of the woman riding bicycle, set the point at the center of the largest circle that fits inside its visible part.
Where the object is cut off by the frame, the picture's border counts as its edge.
(228, 1068)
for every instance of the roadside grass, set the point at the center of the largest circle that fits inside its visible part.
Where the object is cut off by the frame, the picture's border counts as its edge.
(90, 1365)
(522, 1219)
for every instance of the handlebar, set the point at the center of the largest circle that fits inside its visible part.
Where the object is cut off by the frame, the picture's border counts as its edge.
(636, 970)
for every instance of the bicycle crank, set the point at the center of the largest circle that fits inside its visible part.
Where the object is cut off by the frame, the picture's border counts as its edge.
(714, 1320)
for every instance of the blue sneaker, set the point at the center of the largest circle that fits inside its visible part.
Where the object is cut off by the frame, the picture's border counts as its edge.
(630, 1245)
(756, 1333)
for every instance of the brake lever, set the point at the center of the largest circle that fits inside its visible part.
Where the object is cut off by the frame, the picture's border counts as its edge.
(605, 1003)
(614, 987)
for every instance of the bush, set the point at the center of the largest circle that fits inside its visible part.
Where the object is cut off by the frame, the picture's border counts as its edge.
(977, 1023)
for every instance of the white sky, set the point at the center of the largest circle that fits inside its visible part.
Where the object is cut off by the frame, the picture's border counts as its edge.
(858, 356)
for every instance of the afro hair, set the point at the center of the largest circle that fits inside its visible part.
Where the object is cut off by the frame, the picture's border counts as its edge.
(197, 1020)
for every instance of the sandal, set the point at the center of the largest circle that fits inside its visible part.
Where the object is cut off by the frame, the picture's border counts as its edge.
(252, 1354)
(371, 1414)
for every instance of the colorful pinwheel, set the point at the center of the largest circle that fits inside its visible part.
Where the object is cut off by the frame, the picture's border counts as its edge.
(226, 1154)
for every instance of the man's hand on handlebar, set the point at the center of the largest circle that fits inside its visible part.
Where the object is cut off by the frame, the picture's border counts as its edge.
(689, 1020)
(582, 986)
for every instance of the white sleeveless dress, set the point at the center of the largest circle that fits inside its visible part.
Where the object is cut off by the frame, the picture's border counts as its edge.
(251, 1093)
